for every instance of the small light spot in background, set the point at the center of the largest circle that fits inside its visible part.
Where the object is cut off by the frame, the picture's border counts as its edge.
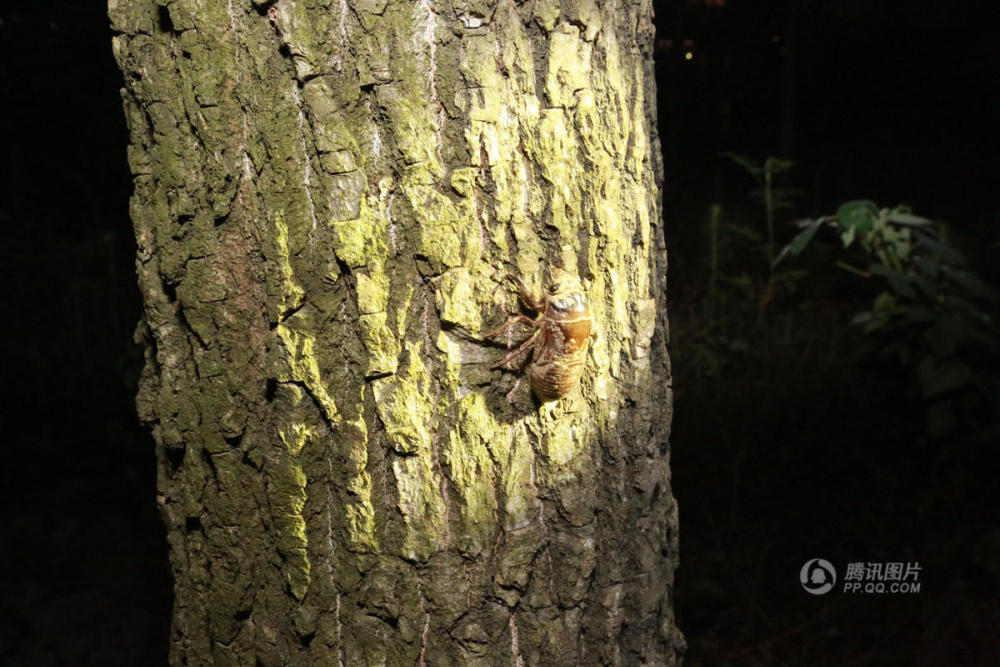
(688, 55)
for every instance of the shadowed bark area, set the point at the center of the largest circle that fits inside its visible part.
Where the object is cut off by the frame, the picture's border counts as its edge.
(327, 195)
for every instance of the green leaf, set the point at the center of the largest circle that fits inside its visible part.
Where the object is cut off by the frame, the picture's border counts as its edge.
(901, 218)
(884, 302)
(858, 214)
(902, 245)
(801, 240)
(847, 236)
(776, 165)
(864, 318)
(752, 167)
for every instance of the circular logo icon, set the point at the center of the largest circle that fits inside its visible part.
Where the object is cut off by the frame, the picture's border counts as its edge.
(817, 576)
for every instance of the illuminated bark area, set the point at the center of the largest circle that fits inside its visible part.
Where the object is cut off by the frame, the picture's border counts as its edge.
(326, 196)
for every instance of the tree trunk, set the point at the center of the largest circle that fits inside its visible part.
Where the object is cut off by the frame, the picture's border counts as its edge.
(327, 196)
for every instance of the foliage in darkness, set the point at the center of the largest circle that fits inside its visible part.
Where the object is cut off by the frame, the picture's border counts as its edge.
(932, 313)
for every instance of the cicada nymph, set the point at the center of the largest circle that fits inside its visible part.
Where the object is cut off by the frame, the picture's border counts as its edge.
(562, 326)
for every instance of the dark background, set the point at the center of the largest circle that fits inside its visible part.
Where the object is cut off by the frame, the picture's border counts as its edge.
(793, 451)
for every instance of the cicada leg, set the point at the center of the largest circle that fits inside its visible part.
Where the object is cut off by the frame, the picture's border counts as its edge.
(525, 346)
(527, 297)
(523, 319)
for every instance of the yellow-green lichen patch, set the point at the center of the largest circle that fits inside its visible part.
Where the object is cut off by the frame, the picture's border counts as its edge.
(405, 405)
(569, 66)
(409, 98)
(640, 147)
(601, 338)
(515, 58)
(399, 308)
(303, 367)
(521, 495)
(471, 472)
(326, 98)
(463, 180)
(547, 13)
(359, 512)
(360, 519)
(466, 364)
(586, 13)
(290, 294)
(499, 146)
(557, 140)
(456, 302)
(344, 193)
(295, 437)
(286, 485)
(598, 352)
(442, 231)
(373, 289)
(287, 493)
(561, 441)
(361, 243)
(303, 33)
(381, 344)
(423, 507)
(412, 122)
(359, 240)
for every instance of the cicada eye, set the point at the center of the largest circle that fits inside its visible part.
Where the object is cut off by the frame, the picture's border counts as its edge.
(552, 288)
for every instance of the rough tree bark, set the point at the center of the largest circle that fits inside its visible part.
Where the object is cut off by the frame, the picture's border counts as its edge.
(326, 193)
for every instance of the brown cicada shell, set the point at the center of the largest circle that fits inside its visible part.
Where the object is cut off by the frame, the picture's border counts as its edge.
(562, 332)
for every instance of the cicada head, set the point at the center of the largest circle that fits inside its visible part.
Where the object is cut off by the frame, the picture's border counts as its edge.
(564, 296)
